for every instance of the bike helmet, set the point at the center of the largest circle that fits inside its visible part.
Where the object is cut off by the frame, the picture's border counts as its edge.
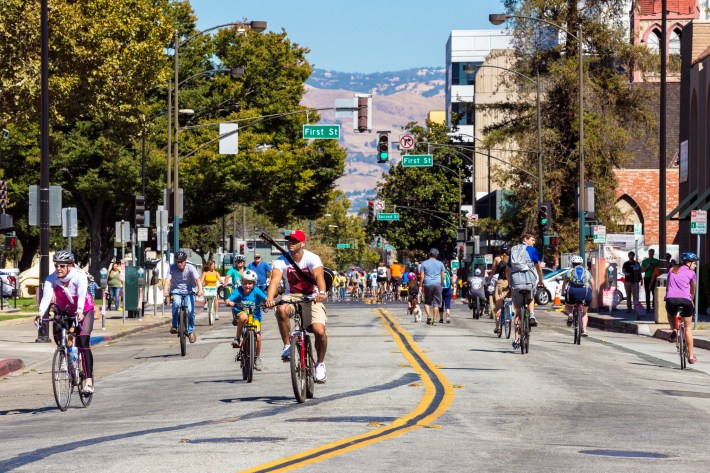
(577, 260)
(240, 258)
(688, 256)
(411, 275)
(477, 272)
(180, 256)
(63, 256)
(249, 275)
(504, 247)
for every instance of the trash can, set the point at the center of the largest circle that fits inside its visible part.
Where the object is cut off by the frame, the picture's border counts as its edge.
(659, 314)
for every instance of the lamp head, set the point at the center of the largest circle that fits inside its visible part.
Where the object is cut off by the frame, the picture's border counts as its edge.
(258, 26)
(498, 18)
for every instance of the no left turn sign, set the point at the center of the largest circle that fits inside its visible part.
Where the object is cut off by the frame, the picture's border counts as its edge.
(406, 141)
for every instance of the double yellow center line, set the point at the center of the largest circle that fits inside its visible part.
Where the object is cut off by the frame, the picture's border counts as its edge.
(438, 396)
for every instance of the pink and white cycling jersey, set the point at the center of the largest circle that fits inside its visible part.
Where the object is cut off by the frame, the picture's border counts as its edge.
(70, 291)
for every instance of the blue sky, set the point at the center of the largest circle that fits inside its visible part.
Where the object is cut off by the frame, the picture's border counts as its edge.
(361, 35)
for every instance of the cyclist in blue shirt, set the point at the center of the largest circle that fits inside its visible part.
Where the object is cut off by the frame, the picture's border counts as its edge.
(183, 277)
(247, 295)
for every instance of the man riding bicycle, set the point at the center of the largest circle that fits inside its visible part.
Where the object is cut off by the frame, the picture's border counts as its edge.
(579, 285)
(523, 273)
(245, 295)
(183, 277)
(396, 272)
(476, 293)
(67, 286)
(306, 282)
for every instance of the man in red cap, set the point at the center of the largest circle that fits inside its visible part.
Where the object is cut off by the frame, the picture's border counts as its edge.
(297, 286)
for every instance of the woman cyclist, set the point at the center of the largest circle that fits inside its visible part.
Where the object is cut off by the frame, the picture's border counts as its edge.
(501, 288)
(209, 287)
(67, 285)
(235, 273)
(579, 285)
(680, 295)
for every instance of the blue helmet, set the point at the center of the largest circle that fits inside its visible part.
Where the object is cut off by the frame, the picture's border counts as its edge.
(688, 256)
(504, 247)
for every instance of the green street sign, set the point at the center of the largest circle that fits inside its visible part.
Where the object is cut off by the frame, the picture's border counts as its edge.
(454, 265)
(389, 247)
(321, 132)
(479, 260)
(384, 216)
(698, 228)
(343, 246)
(417, 160)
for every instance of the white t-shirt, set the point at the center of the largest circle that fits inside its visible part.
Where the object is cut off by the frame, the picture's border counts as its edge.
(381, 272)
(295, 284)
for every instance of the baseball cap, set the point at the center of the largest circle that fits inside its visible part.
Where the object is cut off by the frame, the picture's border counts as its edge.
(296, 235)
(434, 252)
(257, 255)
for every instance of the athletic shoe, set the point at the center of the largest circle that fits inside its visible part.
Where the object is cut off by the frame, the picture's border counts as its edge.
(428, 320)
(533, 320)
(258, 365)
(235, 321)
(585, 334)
(173, 330)
(673, 336)
(692, 360)
(216, 317)
(496, 330)
(192, 336)
(237, 342)
(569, 320)
(88, 389)
(44, 339)
(320, 373)
(516, 344)
(286, 352)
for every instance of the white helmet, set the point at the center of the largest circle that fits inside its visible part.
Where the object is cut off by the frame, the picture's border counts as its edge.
(477, 272)
(249, 275)
(577, 260)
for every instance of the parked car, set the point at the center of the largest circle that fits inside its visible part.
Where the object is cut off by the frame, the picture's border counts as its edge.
(9, 283)
(553, 283)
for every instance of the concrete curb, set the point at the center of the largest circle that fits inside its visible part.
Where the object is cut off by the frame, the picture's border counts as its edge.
(697, 342)
(9, 365)
(109, 338)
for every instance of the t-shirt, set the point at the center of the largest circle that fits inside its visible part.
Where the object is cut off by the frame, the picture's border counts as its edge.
(185, 280)
(260, 269)
(432, 269)
(396, 270)
(381, 272)
(70, 291)
(295, 284)
(254, 299)
(236, 278)
(652, 264)
(632, 271)
(679, 284)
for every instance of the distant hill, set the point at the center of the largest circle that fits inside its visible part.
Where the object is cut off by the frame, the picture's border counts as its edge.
(398, 98)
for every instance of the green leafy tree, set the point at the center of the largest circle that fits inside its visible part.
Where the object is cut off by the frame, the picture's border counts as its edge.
(614, 110)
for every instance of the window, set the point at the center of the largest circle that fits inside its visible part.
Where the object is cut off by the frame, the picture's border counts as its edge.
(465, 112)
(459, 74)
(653, 43)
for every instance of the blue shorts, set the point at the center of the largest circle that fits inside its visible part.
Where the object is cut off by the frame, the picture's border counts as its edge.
(579, 294)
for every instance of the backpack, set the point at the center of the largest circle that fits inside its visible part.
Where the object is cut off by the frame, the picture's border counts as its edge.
(447, 280)
(578, 277)
(519, 259)
(381, 272)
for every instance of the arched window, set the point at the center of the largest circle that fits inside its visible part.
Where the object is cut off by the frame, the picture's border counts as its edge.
(653, 42)
(630, 212)
(674, 43)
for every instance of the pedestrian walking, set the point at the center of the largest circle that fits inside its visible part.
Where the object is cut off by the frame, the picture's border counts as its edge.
(431, 281)
(648, 266)
(632, 279)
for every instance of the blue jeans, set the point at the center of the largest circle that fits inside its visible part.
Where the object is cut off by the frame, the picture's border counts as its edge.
(342, 293)
(115, 296)
(190, 303)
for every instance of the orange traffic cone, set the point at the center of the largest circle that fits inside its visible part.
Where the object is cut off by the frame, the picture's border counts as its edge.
(557, 296)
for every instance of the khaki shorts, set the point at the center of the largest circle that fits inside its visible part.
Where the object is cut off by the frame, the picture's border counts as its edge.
(501, 290)
(313, 313)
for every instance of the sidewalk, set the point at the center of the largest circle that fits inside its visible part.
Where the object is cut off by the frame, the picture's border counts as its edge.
(621, 321)
(17, 336)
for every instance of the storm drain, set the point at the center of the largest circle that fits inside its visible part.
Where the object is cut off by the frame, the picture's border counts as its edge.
(624, 454)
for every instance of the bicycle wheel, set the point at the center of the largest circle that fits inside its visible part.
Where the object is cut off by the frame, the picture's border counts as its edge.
(577, 327)
(310, 369)
(182, 332)
(61, 379)
(682, 348)
(298, 371)
(249, 356)
(85, 398)
(521, 329)
(210, 310)
(508, 323)
(526, 329)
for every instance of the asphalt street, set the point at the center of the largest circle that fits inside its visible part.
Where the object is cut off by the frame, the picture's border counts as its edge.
(400, 396)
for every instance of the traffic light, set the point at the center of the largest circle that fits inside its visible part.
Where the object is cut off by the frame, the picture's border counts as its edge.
(140, 210)
(553, 241)
(379, 242)
(241, 248)
(3, 195)
(383, 147)
(544, 216)
(370, 211)
(362, 114)
(461, 252)
(10, 241)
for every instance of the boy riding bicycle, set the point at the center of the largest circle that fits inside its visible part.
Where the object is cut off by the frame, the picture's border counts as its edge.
(247, 295)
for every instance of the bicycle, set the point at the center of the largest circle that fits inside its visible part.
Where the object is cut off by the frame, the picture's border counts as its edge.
(478, 306)
(182, 319)
(302, 360)
(66, 373)
(577, 322)
(247, 351)
(524, 323)
(505, 321)
(210, 294)
(680, 342)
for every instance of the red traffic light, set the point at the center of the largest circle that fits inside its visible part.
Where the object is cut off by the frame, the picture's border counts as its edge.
(11, 241)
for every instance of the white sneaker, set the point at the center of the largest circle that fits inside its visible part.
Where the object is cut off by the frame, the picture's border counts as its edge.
(286, 352)
(320, 373)
(257, 364)
(88, 389)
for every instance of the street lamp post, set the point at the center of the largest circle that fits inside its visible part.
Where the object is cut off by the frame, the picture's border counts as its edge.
(257, 26)
(498, 19)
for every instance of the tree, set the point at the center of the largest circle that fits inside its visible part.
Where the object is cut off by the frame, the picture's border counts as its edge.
(426, 198)
(614, 110)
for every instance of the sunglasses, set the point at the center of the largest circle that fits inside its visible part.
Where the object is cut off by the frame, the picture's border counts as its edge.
(60, 266)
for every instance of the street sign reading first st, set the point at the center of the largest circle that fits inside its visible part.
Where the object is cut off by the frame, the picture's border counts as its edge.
(417, 160)
(321, 132)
